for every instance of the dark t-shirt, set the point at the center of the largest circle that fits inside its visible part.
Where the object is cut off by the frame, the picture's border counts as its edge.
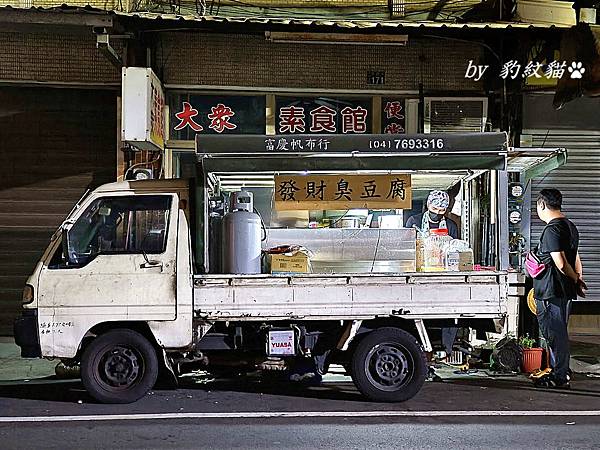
(418, 220)
(560, 235)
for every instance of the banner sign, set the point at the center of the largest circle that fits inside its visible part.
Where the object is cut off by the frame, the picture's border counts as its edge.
(143, 109)
(356, 144)
(393, 115)
(320, 192)
(308, 115)
(193, 114)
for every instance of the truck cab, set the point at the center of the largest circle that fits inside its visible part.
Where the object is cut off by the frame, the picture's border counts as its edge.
(121, 259)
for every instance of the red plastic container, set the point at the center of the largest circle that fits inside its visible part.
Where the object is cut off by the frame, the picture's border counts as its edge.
(532, 359)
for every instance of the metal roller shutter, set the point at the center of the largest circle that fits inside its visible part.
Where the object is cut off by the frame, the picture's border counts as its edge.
(54, 143)
(579, 182)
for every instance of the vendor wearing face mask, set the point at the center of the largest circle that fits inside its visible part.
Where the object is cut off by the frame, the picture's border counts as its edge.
(437, 205)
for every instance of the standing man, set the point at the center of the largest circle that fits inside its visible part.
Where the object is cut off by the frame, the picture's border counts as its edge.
(437, 205)
(558, 285)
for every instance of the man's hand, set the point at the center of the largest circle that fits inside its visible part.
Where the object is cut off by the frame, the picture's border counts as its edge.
(561, 263)
(581, 287)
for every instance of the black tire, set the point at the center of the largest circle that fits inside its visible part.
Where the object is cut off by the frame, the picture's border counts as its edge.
(119, 366)
(388, 365)
(348, 368)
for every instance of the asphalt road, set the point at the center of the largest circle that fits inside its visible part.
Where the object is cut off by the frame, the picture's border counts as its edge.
(280, 434)
(467, 412)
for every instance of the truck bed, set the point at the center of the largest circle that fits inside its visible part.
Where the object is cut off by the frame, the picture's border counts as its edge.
(351, 296)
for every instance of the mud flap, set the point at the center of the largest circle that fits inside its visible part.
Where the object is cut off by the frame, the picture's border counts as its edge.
(167, 378)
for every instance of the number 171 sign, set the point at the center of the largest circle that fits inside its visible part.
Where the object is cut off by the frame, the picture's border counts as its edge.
(314, 192)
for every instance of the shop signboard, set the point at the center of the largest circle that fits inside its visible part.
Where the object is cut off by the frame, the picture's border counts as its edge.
(345, 191)
(192, 114)
(322, 115)
(393, 115)
(143, 109)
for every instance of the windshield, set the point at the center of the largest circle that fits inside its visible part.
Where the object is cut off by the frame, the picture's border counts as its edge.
(126, 224)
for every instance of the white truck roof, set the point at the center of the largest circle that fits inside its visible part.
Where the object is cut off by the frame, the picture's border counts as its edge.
(144, 185)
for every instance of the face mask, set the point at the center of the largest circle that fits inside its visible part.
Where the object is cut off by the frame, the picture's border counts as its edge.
(435, 217)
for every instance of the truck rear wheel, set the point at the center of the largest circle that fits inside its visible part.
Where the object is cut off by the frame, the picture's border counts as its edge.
(120, 366)
(389, 365)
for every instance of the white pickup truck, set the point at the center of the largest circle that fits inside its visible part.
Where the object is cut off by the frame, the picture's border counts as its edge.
(123, 290)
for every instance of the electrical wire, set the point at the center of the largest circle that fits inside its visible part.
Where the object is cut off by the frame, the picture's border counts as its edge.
(451, 6)
(376, 249)
(262, 225)
(445, 38)
(338, 219)
(140, 164)
(297, 14)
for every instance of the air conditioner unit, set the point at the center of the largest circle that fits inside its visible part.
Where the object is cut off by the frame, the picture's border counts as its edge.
(455, 114)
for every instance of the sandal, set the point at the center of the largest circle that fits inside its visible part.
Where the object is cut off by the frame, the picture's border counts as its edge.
(549, 382)
(540, 373)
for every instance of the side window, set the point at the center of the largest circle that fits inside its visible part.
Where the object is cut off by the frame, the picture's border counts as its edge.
(120, 225)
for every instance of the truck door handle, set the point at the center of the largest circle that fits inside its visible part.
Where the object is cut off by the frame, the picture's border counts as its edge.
(151, 264)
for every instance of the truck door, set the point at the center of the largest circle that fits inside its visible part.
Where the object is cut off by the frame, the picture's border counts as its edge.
(120, 264)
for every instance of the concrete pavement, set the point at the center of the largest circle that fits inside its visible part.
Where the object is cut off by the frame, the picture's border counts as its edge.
(13, 367)
(585, 350)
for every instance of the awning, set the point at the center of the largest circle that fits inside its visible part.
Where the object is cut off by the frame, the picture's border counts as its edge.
(337, 164)
(376, 152)
(73, 15)
(343, 24)
(534, 162)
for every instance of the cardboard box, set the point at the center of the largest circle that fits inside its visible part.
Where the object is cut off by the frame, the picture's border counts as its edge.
(460, 261)
(286, 263)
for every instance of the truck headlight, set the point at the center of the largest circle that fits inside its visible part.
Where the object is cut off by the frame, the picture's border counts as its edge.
(27, 294)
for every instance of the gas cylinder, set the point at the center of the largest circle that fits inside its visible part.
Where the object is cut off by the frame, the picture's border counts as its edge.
(241, 235)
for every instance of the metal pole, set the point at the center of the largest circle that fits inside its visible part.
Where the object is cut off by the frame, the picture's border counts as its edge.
(502, 220)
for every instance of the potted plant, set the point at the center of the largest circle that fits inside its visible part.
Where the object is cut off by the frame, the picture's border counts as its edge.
(532, 356)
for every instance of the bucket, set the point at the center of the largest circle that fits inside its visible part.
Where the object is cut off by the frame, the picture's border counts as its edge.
(532, 359)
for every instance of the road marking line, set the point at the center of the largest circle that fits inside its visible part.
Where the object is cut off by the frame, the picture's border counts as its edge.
(294, 414)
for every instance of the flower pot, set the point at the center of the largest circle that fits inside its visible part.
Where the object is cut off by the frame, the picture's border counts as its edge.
(532, 359)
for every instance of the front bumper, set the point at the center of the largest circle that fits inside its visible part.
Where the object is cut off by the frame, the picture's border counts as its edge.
(27, 334)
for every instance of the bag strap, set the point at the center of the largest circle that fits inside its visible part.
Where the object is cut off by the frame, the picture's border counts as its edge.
(540, 240)
(547, 260)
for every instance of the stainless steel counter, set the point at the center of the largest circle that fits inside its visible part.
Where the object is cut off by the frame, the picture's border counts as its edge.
(340, 250)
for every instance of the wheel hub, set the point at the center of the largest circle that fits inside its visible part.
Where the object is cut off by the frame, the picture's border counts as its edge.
(389, 366)
(120, 367)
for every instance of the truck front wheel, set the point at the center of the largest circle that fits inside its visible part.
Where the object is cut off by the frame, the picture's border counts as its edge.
(389, 365)
(119, 366)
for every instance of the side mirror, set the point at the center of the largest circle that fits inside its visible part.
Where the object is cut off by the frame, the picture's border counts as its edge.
(149, 262)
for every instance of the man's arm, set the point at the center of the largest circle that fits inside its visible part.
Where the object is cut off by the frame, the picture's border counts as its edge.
(563, 265)
(578, 266)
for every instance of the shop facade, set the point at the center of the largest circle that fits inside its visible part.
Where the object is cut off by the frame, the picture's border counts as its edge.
(287, 89)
